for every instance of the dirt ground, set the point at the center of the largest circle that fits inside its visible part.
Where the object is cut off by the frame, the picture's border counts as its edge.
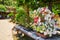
(6, 29)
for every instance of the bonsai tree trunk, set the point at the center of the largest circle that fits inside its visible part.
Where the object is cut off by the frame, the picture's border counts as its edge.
(50, 6)
(28, 14)
(3, 2)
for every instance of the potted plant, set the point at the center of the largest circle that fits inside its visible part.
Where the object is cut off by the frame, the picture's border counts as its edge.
(44, 28)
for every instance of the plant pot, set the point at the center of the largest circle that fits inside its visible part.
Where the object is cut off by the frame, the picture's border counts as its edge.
(42, 35)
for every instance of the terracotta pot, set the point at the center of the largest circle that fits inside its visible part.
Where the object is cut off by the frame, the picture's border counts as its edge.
(41, 35)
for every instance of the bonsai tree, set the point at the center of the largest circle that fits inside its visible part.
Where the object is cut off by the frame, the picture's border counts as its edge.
(21, 17)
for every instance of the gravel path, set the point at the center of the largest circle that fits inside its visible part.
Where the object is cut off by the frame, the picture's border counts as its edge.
(5, 29)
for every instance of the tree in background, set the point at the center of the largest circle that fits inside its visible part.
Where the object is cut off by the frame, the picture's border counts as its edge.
(8, 2)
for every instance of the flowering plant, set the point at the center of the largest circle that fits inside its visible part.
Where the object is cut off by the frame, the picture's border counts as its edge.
(48, 26)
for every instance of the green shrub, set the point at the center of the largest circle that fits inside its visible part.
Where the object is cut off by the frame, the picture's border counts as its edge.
(2, 8)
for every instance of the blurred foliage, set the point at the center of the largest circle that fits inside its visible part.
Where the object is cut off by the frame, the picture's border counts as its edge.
(22, 15)
(29, 3)
(3, 8)
(8, 2)
(56, 8)
(32, 4)
(11, 14)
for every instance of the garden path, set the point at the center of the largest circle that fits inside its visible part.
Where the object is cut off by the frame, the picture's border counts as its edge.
(6, 29)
